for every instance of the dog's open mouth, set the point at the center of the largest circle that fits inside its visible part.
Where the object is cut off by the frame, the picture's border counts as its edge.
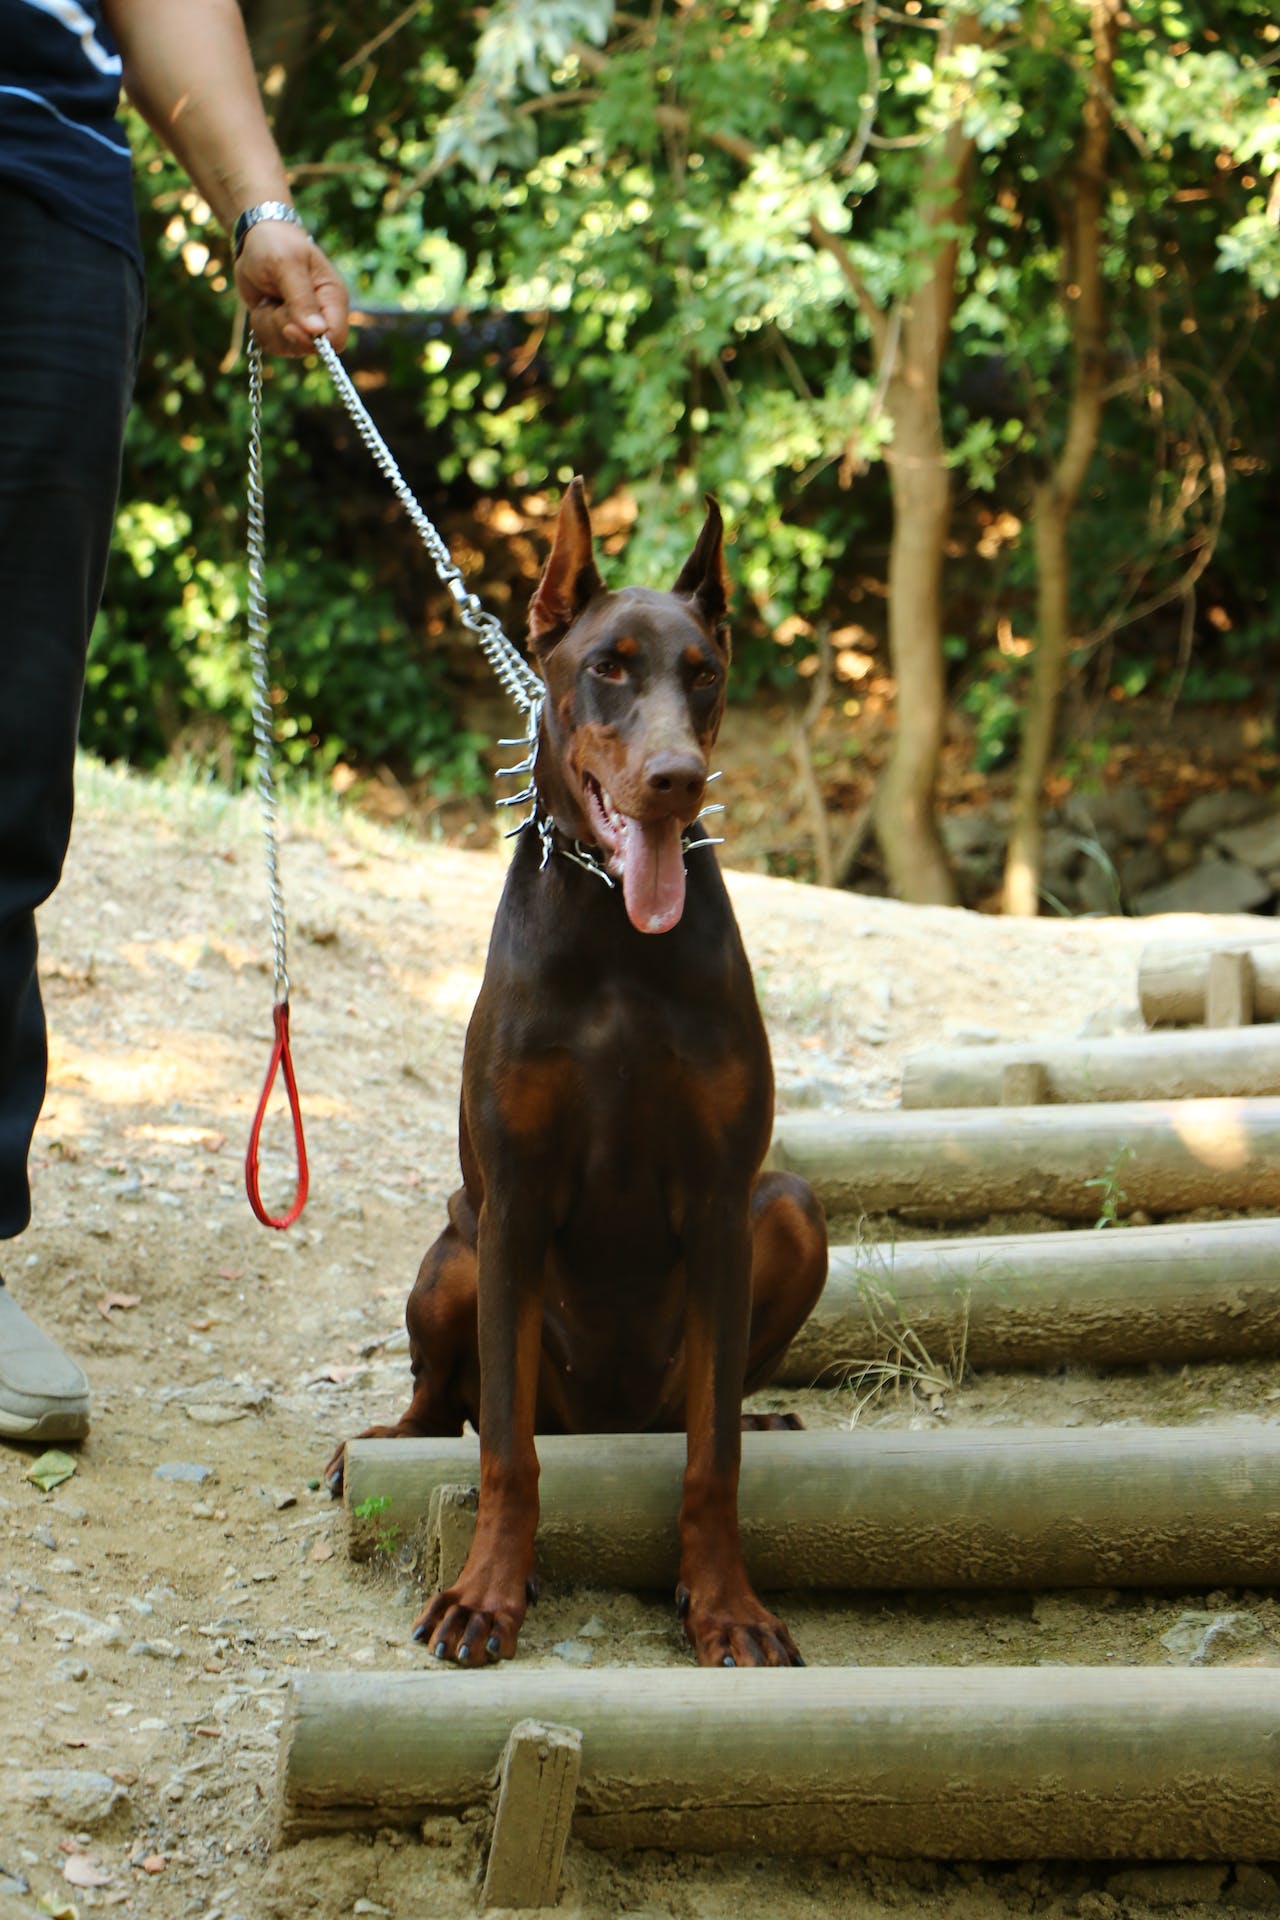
(646, 855)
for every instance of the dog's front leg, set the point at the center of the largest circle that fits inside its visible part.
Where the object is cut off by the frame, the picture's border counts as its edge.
(725, 1621)
(478, 1619)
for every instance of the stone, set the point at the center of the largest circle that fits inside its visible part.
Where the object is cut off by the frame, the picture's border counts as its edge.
(183, 1470)
(1194, 1635)
(1098, 889)
(1140, 870)
(1214, 886)
(1254, 846)
(1212, 813)
(76, 1796)
(1123, 811)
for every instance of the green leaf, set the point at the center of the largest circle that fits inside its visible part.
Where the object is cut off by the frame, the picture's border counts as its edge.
(51, 1469)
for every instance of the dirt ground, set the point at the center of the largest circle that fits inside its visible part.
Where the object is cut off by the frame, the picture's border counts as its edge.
(153, 1606)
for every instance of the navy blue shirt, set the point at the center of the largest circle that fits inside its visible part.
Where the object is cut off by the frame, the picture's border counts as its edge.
(59, 137)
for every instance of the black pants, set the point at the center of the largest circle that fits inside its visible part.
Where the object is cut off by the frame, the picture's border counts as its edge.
(70, 322)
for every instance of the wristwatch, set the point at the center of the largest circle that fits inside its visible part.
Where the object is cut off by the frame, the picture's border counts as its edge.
(265, 210)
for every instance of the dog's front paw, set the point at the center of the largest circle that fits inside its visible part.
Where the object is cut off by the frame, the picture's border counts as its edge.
(477, 1620)
(736, 1631)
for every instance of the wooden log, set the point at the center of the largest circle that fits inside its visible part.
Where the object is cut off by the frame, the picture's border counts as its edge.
(451, 1521)
(1145, 1066)
(1075, 1162)
(1023, 1083)
(979, 1507)
(1228, 992)
(1126, 1297)
(538, 1782)
(1173, 976)
(1084, 1763)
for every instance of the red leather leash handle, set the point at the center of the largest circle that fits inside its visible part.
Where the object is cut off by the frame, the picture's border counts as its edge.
(281, 1061)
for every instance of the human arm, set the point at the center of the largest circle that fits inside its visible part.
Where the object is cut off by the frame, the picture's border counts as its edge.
(188, 70)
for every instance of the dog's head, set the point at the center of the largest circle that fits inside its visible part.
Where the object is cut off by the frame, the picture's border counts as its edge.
(635, 694)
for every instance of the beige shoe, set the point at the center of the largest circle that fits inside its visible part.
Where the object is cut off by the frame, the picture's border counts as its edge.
(43, 1394)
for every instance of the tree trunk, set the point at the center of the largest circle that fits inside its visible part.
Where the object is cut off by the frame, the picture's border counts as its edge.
(1055, 498)
(905, 811)
(905, 817)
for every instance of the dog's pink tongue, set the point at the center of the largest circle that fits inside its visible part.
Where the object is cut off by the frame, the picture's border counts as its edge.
(653, 874)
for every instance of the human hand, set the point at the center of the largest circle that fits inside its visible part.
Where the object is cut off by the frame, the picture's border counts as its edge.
(291, 288)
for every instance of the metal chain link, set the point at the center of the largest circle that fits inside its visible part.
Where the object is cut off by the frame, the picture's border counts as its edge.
(263, 717)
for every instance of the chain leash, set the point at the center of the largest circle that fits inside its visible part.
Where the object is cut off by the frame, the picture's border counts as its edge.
(281, 1060)
(263, 714)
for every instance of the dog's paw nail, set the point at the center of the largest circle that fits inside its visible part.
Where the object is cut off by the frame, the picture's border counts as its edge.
(531, 1592)
(493, 1646)
(439, 1650)
(799, 1661)
(464, 1654)
(728, 1661)
(682, 1603)
(419, 1634)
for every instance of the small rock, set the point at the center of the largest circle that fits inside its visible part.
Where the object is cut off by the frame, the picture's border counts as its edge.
(183, 1470)
(1139, 870)
(1194, 1635)
(81, 1629)
(1214, 886)
(1123, 811)
(283, 1500)
(1212, 813)
(575, 1652)
(1255, 846)
(64, 1671)
(77, 1796)
(13, 1882)
(155, 1650)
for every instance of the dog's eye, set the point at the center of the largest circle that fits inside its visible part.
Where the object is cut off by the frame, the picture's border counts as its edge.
(705, 677)
(608, 669)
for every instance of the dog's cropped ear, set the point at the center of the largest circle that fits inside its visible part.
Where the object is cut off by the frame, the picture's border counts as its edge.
(569, 581)
(703, 578)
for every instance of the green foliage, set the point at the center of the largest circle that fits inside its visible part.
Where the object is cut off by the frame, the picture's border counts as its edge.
(372, 1508)
(636, 198)
(1111, 1194)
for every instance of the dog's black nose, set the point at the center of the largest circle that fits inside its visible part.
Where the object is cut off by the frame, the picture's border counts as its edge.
(678, 776)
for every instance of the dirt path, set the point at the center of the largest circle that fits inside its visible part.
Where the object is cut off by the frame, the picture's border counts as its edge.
(152, 1607)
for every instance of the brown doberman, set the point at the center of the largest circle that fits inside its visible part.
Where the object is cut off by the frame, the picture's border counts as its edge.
(614, 1259)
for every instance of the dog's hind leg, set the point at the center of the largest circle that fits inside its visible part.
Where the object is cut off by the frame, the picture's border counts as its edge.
(788, 1273)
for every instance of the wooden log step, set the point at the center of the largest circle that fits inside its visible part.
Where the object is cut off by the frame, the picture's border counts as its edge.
(979, 1507)
(1149, 1066)
(1125, 1297)
(1083, 1763)
(1073, 1162)
(1240, 973)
